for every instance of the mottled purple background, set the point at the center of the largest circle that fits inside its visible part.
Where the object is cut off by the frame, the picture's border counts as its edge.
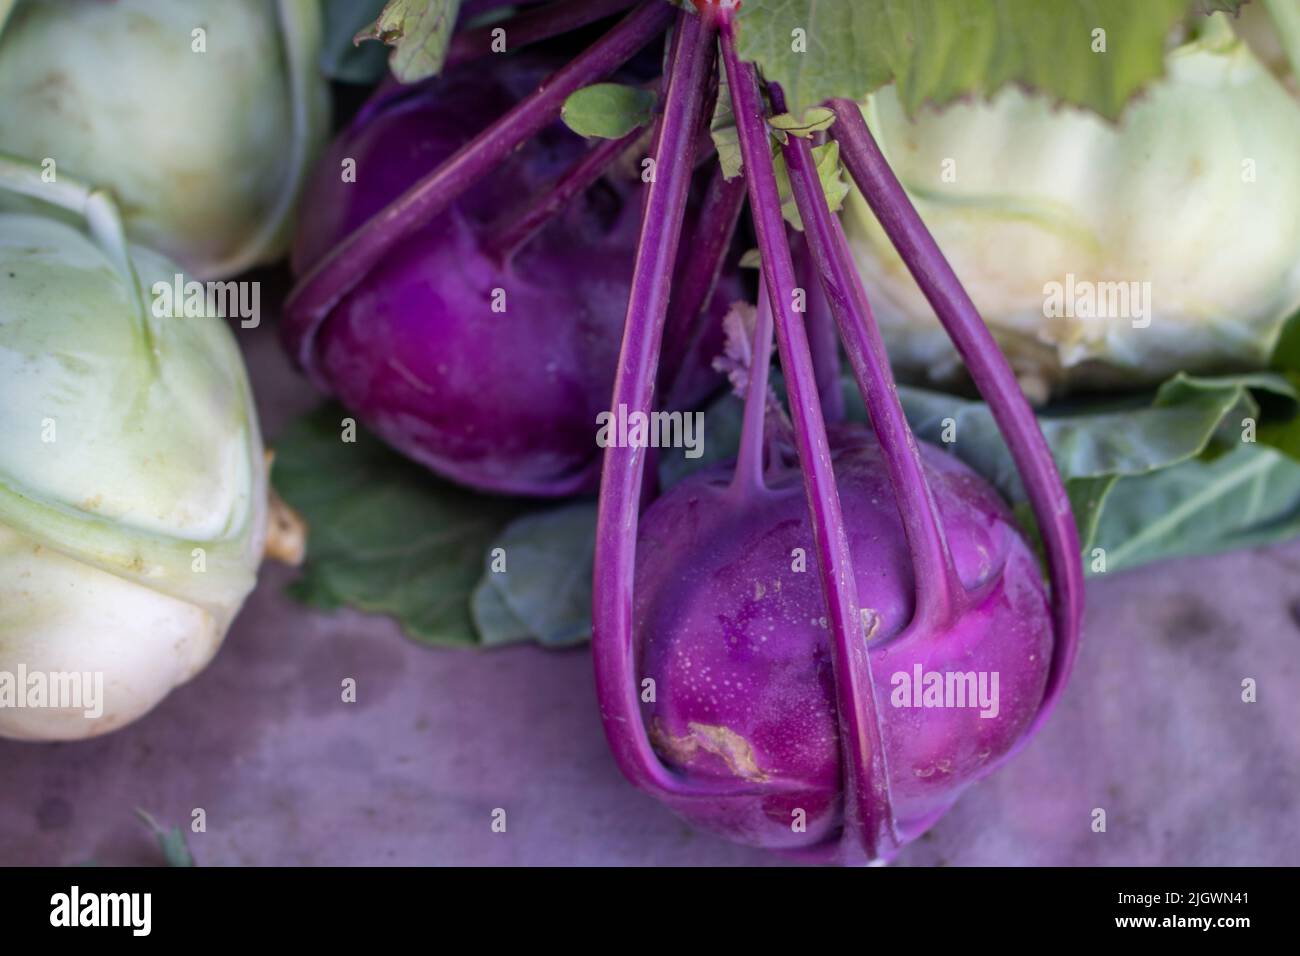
(1152, 729)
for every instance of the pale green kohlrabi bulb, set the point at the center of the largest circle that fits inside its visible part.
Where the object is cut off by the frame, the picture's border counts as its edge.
(1038, 208)
(132, 479)
(202, 116)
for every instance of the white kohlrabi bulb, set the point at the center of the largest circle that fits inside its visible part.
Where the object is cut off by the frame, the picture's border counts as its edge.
(202, 116)
(132, 482)
(1170, 241)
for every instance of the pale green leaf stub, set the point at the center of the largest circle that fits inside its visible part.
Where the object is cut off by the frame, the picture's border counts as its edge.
(722, 127)
(829, 171)
(608, 110)
(817, 49)
(176, 852)
(813, 121)
(418, 31)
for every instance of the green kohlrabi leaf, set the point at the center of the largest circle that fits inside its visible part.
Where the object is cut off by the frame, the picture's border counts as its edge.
(1178, 424)
(536, 581)
(827, 156)
(418, 31)
(608, 110)
(1286, 353)
(1174, 474)
(1249, 496)
(1087, 500)
(342, 57)
(1109, 455)
(384, 534)
(1147, 481)
(1095, 54)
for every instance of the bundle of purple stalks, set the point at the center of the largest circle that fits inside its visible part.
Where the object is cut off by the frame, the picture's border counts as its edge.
(757, 700)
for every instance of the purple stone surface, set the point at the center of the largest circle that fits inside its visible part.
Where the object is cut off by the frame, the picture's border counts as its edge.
(1152, 728)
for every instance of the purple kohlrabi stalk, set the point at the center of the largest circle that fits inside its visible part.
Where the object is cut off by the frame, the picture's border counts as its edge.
(992, 376)
(620, 495)
(939, 593)
(1000, 620)
(351, 260)
(868, 814)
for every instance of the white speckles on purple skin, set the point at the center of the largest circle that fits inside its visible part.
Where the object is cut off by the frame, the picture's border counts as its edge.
(706, 634)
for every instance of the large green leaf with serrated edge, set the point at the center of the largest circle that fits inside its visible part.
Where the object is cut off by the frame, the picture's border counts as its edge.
(385, 535)
(1093, 53)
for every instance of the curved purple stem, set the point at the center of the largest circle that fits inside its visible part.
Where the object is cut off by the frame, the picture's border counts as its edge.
(351, 260)
(613, 650)
(939, 592)
(868, 813)
(531, 26)
(992, 376)
(507, 236)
